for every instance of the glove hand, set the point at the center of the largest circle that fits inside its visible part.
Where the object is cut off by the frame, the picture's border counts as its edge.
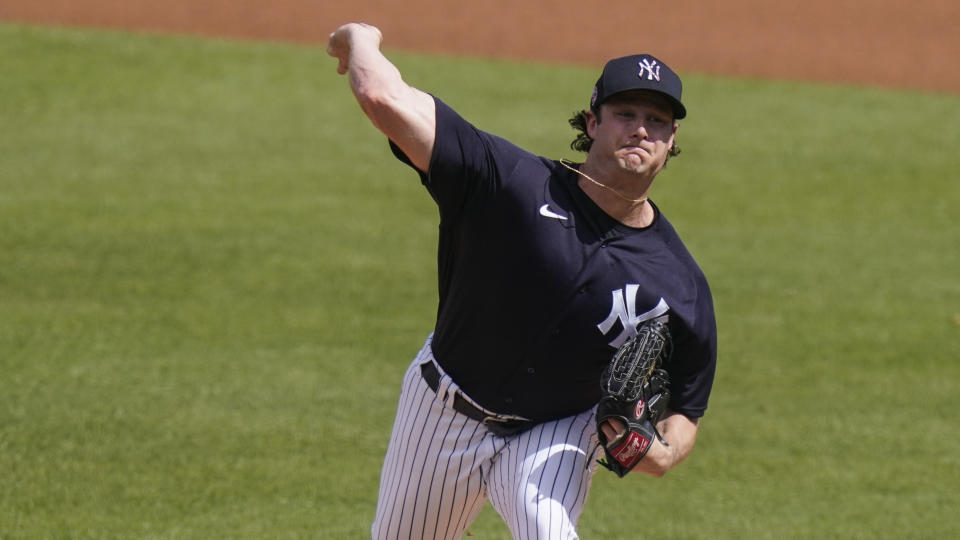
(635, 396)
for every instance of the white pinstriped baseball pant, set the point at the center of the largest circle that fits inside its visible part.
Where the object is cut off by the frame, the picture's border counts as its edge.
(441, 466)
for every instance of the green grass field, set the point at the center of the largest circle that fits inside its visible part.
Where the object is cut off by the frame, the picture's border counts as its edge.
(213, 274)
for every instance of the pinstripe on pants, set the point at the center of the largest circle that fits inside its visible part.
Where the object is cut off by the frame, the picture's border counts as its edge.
(441, 466)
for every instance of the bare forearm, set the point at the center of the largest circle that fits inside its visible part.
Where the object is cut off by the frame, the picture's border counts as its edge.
(374, 80)
(403, 113)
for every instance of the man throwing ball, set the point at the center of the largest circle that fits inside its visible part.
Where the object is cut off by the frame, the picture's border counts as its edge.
(548, 270)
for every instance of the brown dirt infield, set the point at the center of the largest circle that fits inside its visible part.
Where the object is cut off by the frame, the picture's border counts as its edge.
(888, 43)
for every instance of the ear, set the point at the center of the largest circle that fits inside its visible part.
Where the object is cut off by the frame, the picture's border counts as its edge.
(592, 122)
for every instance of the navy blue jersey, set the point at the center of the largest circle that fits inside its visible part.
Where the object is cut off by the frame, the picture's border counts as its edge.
(538, 286)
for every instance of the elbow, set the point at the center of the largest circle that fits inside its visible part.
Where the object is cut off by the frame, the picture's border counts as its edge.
(377, 103)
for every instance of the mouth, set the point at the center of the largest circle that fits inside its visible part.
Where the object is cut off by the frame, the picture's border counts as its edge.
(637, 149)
(641, 143)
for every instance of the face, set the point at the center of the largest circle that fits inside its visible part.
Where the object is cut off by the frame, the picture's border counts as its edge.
(635, 130)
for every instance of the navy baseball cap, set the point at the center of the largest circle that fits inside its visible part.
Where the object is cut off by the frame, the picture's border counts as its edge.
(639, 72)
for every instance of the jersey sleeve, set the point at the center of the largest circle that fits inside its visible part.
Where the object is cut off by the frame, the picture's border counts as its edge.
(467, 166)
(696, 359)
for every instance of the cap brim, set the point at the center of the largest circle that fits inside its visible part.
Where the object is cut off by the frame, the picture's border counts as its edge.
(679, 110)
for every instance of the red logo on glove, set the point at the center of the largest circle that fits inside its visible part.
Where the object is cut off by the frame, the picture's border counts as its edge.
(631, 450)
(639, 410)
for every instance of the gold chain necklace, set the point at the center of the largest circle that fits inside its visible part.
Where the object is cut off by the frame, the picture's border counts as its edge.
(568, 165)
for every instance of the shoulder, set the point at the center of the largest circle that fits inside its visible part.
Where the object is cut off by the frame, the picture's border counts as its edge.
(451, 123)
(672, 241)
(687, 270)
(461, 143)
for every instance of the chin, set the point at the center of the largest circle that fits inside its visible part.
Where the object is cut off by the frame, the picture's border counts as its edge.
(638, 166)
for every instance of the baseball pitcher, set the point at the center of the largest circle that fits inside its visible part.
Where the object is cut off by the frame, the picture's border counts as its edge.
(573, 326)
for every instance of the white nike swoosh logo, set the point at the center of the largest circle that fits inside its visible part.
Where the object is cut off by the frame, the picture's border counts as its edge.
(546, 212)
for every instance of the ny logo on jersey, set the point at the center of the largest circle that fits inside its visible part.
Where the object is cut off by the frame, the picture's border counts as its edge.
(624, 309)
(651, 68)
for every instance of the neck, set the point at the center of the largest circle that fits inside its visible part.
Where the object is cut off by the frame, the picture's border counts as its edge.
(625, 201)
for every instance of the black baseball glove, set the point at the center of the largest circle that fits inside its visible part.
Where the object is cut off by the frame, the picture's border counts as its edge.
(636, 392)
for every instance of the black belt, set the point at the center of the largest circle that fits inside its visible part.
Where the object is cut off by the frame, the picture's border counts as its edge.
(495, 424)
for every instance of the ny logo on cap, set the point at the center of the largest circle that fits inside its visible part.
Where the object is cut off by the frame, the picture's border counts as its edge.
(651, 68)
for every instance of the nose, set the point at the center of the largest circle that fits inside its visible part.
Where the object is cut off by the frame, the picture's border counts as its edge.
(640, 130)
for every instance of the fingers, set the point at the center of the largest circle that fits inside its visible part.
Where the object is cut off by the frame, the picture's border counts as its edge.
(612, 429)
(377, 32)
(342, 41)
(335, 52)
